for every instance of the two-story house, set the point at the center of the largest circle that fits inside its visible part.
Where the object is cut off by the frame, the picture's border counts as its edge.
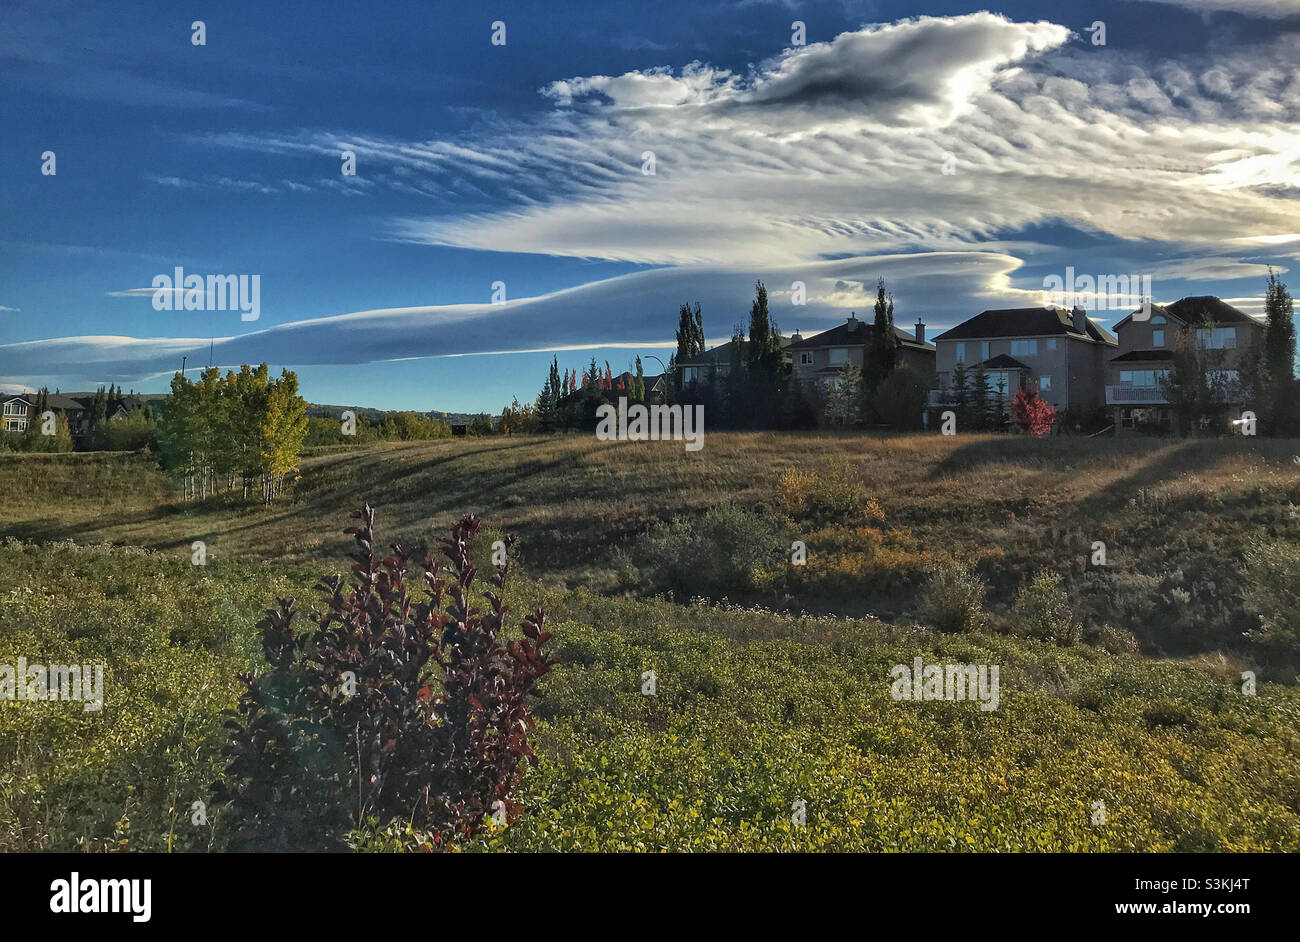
(19, 411)
(1059, 353)
(1147, 341)
(818, 359)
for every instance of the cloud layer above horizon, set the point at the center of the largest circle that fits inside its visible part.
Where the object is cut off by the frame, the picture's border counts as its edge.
(917, 150)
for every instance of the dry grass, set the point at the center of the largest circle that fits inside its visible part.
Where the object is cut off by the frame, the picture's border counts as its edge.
(573, 499)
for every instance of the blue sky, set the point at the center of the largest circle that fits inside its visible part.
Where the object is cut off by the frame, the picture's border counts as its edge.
(962, 155)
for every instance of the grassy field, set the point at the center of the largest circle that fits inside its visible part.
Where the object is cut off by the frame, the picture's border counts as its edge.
(1174, 516)
(763, 701)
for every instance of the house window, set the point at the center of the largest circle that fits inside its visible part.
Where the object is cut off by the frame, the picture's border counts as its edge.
(839, 355)
(1044, 383)
(1146, 379)
(1024, 348)
(1217, 338)
(984, 349)
(1051, 343)
(15, 425)
(1157, 338)
(15, 408)
(805, 359)
(1157, 320)
(961, 353)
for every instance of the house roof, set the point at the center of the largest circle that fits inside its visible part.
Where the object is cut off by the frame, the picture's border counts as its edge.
(1143, 356)
(1003, 362)
(54, 400)
(1190, 311)
(66, 403)
(842, 336)
(722, 354)
(1024, 322)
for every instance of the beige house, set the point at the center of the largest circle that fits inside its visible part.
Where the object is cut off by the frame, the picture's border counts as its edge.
(1146, 352)
(816, 360)
(1059, 353)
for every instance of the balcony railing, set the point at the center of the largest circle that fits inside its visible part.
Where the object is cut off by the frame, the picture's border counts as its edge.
(1135, 395)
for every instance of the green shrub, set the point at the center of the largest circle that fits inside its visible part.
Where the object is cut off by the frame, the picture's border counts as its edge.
(1117, 640)
(719, 553)
(1273, 591)
(952, 598)
(1043, 611)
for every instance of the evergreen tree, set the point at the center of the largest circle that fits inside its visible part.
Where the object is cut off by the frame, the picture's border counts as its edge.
(980, 399)
(638, 383)
(998, 409)
(959, 396)
(690, 340)
(765, 361)
(548, 400)
(736, 390)
(1276, 398)
(882, 351)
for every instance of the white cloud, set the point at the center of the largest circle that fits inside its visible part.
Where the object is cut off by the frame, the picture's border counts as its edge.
(637, 308)
(833, 149)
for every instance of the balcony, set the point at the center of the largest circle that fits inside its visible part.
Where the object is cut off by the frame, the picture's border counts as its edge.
(1124, 395)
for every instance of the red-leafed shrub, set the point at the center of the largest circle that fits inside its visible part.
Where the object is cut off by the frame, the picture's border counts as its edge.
(393, 711)
(1034, 415)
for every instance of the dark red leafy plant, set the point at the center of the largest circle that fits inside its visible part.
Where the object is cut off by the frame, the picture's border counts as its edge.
(1034, 416)
(393, 710)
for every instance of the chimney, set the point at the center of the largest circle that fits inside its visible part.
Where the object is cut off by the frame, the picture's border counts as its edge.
(920, 330)
(852, 321)
(796, 336)
(1080, 320)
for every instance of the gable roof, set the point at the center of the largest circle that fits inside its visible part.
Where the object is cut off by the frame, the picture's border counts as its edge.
(1189, 311)
(722, 354)
(1025, 322)
(842, 336)
(1143, 356)
(1003, 362)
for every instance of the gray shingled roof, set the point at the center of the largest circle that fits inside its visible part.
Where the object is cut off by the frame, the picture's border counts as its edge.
(841, 336)
(1024, 322)
(1003, 362)
(1143, 356)
(1189, 311)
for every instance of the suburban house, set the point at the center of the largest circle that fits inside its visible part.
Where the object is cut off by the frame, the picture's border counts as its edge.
(1057, 352)
(717, 361)
(818, 359)
(1146, 352)
(20, 412)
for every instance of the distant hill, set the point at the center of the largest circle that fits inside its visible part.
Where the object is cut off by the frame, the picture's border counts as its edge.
(374, 416)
